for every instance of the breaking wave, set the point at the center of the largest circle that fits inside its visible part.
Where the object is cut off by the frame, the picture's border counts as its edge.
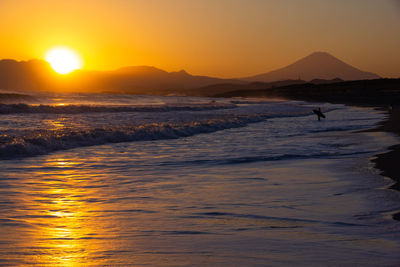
(30, 130)
(76, 109)
(46, 141)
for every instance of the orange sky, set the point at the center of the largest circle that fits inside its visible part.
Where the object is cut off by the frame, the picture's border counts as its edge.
(225, 38)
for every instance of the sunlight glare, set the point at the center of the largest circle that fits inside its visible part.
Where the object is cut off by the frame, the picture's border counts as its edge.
(63, 60)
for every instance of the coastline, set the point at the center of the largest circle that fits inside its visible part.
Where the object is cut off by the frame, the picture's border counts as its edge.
(239, 201)
(388, 162)
(379, 94)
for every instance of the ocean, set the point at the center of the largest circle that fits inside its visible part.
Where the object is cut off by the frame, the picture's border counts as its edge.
(123, 180)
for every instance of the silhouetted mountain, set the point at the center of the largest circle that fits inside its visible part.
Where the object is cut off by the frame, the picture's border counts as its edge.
(318, 65)
(319, 68)
(38, 75)
(24, 75)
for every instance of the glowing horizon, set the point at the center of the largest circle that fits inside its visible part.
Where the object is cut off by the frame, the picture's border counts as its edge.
(225, 38)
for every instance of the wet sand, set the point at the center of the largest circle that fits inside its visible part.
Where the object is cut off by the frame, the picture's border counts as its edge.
(388, 162)
(381, 94)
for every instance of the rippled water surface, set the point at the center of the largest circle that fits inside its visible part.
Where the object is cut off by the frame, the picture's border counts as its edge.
(282, 189)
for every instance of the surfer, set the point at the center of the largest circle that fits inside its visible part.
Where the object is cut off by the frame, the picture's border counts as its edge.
(319, 113)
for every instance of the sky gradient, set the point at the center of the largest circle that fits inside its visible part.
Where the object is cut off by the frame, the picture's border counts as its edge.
(225, 38)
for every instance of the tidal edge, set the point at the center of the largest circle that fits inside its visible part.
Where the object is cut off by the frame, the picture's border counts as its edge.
(388, 162)
(381, 94)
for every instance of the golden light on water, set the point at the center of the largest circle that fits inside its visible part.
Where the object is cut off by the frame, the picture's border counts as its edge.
(65, 226)
(63, 60)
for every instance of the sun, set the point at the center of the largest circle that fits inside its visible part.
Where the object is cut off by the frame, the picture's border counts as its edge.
(63, 60)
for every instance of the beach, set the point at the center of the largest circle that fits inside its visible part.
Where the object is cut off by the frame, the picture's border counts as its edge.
(194, 181)
(381, 94)
(199, 133)
(388, 162)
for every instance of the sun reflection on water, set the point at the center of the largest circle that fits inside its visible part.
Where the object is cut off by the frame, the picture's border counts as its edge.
(63, 222)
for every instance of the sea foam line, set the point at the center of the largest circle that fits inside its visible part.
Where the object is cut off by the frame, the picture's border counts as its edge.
(47, 141)
(76, 109)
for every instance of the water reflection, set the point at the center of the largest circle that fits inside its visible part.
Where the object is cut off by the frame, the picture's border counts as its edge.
(55, 123)
(156, 203)
(60, 215)
(51, 219)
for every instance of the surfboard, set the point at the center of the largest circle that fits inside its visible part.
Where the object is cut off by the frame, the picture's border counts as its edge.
(319, 113)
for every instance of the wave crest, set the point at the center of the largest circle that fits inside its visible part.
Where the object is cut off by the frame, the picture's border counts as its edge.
(76, 109)
(43, 142)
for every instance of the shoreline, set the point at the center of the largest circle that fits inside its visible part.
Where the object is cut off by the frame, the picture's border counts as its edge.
(388, 162)
(379, 94)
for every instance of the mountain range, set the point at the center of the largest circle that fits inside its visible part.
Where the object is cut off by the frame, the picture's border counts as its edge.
(38, 75)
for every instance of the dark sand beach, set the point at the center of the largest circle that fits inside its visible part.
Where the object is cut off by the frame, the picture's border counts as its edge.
(388, 162)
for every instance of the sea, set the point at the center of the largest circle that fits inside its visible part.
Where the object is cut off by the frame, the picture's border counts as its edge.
(130, 180)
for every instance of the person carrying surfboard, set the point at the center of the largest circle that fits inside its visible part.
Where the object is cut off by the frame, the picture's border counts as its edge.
(319, 113)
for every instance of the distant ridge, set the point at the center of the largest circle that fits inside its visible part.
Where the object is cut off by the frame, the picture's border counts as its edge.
(37, 75)
(318, 65)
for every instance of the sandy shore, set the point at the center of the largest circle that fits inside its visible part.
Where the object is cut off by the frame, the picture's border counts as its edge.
(389, 162)
(380, 93)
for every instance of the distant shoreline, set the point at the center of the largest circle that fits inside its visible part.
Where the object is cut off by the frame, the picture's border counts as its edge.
(379, 92)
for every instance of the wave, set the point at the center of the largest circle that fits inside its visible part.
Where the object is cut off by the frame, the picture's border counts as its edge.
(13, 97)
(252, 101)
(336, 129)
(76, 109)
(242, 160)
(47, 141)
(273, 218)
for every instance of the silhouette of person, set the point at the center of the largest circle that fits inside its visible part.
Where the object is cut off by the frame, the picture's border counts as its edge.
(319, 113)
